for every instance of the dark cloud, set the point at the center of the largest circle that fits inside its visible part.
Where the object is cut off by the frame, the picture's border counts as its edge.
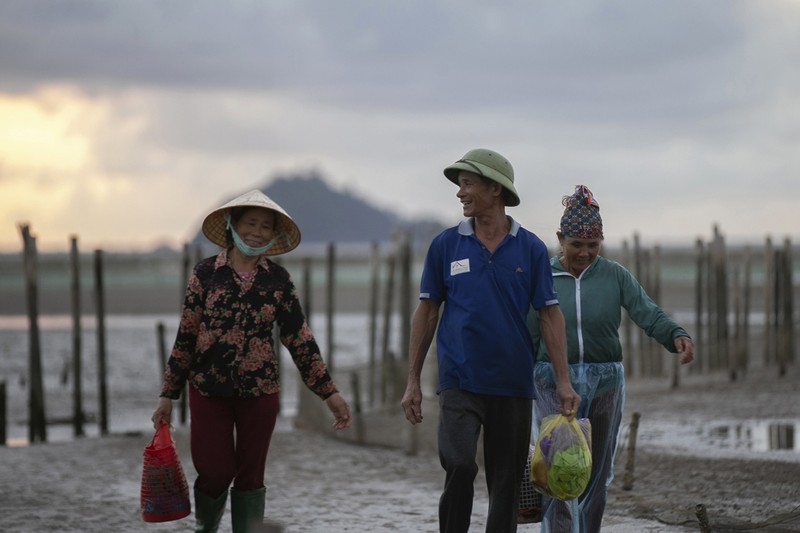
(679, 106)
(588, 62)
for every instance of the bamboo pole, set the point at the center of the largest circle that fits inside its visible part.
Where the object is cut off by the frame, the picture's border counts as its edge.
(387, 322)
(375, 266)
(162, 347)
(744, 347)
(330, 304)
(711, 309)
(77, 364)
(3, 413)
(769, 303)
(698, 307)
(788, 304)
(780, 354)
(405, 313)
(627, 477)
(724, 339)
(737, 323)
(721, 294)
(358, 420)
(702, 517)
(784, 307)
(100, 311)
(37, 421)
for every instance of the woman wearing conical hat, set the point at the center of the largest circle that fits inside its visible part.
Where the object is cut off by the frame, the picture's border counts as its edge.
(224, 350)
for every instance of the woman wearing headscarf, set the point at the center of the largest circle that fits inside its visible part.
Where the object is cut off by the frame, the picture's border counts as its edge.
(224, 349)
(592, 290)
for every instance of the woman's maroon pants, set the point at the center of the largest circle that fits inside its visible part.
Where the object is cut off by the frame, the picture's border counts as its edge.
(229, 440)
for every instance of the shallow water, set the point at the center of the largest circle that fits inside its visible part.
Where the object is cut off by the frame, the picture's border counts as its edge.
(133, 380)
(720, 438)
(133, 367)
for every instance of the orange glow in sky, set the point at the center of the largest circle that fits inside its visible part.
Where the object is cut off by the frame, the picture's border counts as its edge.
(49, 178)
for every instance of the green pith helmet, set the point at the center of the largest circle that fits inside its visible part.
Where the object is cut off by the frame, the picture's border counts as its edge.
(490, 165)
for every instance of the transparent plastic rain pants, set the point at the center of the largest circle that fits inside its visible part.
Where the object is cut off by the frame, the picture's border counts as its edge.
(602, 390)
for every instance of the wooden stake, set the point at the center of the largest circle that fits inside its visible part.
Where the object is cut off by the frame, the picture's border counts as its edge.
(700, 263)
(387, 322)
(405, 314)
(37, 422)
(700, 511)
(627, 477)
(330, 304)
(3, 413)
(358, 421)
(99, 294)
(162, 348)
(375, 273)
(77, 364)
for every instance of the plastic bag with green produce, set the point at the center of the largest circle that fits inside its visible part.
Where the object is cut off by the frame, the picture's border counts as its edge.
(562, 460)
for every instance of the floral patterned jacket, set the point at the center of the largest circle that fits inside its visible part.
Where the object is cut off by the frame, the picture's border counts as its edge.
(224, 345)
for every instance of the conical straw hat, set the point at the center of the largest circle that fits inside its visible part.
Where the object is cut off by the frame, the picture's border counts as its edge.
(286, 231)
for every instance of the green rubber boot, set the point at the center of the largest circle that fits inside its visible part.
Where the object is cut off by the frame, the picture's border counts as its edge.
(208, 511)
(247, 509)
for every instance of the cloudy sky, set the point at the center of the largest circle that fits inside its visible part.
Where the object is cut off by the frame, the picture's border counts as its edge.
(125, 122)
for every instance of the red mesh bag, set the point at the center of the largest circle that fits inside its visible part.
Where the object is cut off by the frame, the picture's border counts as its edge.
(165, 493)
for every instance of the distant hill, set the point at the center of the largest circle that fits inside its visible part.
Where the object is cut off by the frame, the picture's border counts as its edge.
(325, 215)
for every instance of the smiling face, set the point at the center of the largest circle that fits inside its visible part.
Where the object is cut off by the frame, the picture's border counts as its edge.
(578, 253)
(256, 226)
(478, 196)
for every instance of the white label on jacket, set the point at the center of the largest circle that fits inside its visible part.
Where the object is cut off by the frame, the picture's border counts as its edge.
(459, 267)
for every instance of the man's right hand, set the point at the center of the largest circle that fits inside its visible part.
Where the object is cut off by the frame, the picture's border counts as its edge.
(412, 403)
(568, 398)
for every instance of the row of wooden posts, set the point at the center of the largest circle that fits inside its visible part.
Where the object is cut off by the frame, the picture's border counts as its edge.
(37, 421)
(712, 333)
(399, 259)
(730, 350)
(721, 327)
(384, 365)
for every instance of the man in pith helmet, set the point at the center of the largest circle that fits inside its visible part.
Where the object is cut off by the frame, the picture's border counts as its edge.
(479, 280)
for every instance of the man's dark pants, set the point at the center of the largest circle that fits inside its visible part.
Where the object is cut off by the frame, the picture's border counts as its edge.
(506, 423)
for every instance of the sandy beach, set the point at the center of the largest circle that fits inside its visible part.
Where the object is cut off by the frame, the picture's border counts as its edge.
(316, 483)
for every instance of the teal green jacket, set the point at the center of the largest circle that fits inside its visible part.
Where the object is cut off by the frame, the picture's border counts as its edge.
(592, 306)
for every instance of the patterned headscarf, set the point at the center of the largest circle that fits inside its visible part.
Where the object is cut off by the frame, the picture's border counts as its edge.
(581, 217)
